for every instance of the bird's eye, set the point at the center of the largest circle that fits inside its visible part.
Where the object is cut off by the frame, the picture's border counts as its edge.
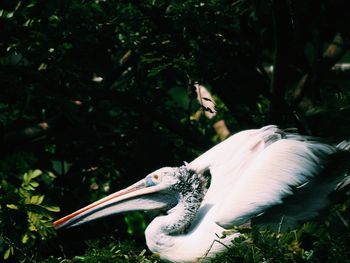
(152, 180)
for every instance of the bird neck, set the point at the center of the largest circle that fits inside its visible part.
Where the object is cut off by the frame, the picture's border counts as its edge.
(163, 231)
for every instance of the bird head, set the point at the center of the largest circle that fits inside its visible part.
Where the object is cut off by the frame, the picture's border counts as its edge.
(161, 189)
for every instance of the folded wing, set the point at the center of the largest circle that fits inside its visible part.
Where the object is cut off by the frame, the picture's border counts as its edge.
(255, 169)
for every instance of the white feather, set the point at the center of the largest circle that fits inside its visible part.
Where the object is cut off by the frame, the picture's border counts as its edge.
(254, 170)
(228, 160)
(270, 177)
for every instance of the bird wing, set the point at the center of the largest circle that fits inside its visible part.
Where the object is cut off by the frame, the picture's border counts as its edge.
(227, 160)
(272, 174)
(232, 148)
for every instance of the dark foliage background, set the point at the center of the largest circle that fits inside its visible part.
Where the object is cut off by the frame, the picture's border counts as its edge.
(96, 94)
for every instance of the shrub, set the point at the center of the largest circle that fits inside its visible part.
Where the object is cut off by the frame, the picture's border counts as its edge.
(25, 216)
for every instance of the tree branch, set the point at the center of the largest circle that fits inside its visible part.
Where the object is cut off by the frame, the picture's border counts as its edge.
(310, 81)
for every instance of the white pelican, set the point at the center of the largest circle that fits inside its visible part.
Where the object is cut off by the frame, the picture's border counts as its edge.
(265, 175)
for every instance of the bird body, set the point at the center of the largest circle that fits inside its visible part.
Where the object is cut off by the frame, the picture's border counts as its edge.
(265, 175)
(197, 243)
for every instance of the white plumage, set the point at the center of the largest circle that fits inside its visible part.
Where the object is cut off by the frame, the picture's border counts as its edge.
(264, 175)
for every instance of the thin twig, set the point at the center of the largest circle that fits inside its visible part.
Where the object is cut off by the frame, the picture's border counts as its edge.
(211, 246)
(9, 242)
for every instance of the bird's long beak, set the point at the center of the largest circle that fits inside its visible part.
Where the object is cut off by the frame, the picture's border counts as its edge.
(138, 196)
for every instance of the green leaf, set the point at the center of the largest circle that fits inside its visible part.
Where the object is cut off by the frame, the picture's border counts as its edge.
(32, 228)
(82, 258)
(53, 208)
(8, 252)
(12, 206)
(37, 199)
(28, 23)
(34, 184)
(31, 4)
(25, 238)
(28, 188)
(60, 167)
(27, 177)
(9, 14)
(51, 175)
(35, 173)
